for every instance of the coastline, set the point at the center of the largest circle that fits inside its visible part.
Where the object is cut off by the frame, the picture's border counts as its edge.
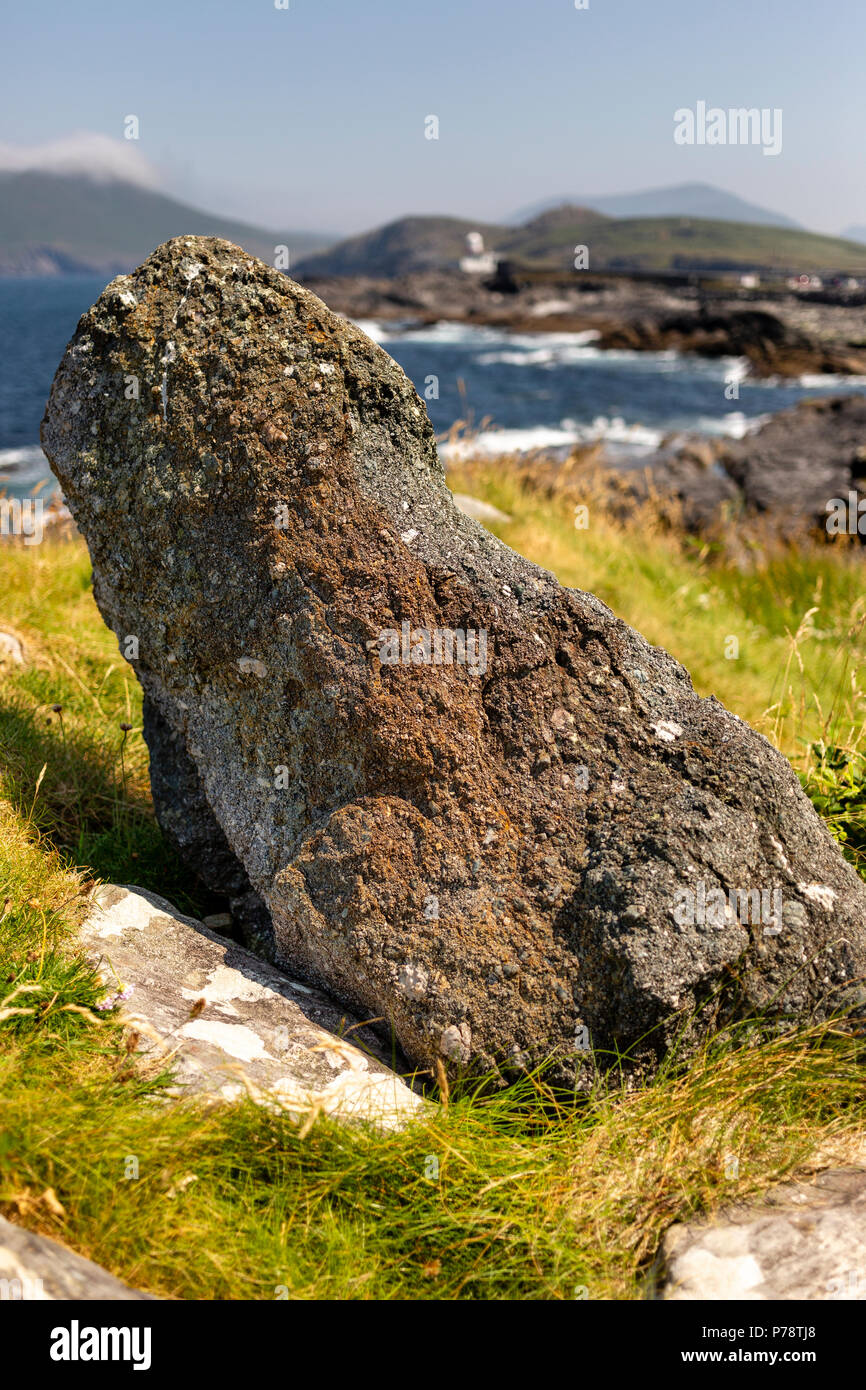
(780, 333)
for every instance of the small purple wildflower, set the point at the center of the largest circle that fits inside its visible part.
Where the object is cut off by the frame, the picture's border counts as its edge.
(111, 1000)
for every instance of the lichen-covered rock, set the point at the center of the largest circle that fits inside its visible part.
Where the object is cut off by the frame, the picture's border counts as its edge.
(523, 850)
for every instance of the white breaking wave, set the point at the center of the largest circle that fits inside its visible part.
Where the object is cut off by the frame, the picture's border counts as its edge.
(616, 431)
(736, 368)
(636, 439)
(545, 354)
(22, 469)
(446, 332)
(509, 442)
(499, 347)
(373, 329)
(28, 461)
(733, 426)
(828, 381)
(625, 441)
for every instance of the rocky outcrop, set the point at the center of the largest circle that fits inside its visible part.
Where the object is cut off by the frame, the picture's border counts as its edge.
(801, 459)
(771, 346)
(229, 1024)
(476, 805)
(803, 470)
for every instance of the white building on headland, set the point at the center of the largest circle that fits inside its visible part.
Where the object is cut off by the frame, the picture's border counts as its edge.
(479, 261)
(806, 282)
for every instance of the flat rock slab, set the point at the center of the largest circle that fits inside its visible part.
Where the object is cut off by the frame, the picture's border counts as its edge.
(36, 1268)
(805, 1241)
(229, 1022)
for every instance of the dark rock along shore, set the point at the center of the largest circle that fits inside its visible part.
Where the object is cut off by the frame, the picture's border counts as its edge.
(779, 334)
(787, 472)
(425, 839)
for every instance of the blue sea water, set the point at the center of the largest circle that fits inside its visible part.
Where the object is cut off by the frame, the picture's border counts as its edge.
(518, 390)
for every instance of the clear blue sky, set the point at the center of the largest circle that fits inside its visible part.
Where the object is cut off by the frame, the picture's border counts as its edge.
(313, 117)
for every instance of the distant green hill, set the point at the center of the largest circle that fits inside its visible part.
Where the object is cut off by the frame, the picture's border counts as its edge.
(54, 222)
(634, 243)
(412, 243)
(680, 243)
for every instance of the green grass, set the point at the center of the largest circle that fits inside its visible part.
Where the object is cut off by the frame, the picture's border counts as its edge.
(65, 714)
(523, 1194)
(514, 1197)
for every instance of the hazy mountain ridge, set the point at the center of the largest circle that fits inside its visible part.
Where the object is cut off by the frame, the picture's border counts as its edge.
(55, 223)
(52, 223)
(702, 200)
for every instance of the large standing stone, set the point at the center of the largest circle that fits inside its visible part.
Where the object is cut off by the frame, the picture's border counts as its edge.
(490, 856)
